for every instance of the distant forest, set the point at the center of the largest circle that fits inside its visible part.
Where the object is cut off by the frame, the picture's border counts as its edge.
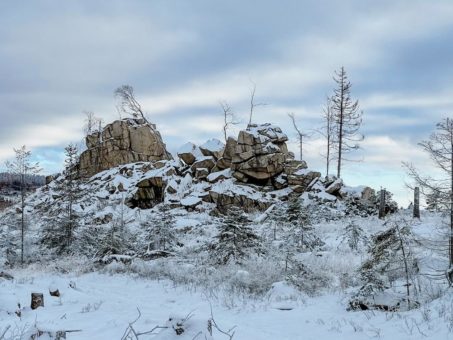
(12, 182)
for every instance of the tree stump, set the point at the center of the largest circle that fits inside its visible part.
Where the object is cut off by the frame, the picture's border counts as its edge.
(54, 292)
(37, 300)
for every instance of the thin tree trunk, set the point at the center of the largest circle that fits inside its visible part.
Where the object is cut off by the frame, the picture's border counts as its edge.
(417, 202)
(406, 268)
(451, 192)
(382, 204)
(22, 229)
(340, 123)
(328, 153)
(300, 145)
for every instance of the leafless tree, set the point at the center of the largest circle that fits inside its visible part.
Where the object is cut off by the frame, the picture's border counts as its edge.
(90, 122)
(228, 118)
(253, 105)
(300, 135)
(127, 103)
(439, 146)
(329, 132)
(22, 167)
(347, 118)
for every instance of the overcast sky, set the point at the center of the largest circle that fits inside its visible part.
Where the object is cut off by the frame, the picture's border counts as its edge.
(59, 58)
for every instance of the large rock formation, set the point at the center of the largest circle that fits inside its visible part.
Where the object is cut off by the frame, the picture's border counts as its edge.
(260, 154)
(121, 142)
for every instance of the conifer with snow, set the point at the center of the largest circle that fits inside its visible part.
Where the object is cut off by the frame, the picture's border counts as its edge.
(236, 240)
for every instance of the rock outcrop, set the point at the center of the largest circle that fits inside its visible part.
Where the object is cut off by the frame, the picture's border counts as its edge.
(250, 171)
(259, 155)
(122, 142)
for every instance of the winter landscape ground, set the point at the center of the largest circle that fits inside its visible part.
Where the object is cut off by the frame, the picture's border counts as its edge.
(236, 170)
(101, 303)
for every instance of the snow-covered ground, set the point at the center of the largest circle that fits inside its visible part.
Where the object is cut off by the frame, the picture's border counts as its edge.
(101, 306)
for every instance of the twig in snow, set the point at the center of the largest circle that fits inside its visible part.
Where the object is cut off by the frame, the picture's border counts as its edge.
(4, 332)
(130, 333)
(229, 333)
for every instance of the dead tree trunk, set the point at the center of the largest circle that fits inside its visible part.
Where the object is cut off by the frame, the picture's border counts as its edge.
(417, 202)
(382, 204)
(37, 300)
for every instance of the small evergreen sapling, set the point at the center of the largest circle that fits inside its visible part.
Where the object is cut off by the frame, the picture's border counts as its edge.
(301, 233)
(160, 232)
(236, 240)
(390, 259)
(354, 236)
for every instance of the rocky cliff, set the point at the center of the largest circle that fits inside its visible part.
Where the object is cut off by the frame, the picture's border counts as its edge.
(122, 142)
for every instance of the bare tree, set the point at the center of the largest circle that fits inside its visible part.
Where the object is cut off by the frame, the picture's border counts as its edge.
(253, 105)
(329, 132)
(90, 122)
(347, 118)
(22, 167)
(300, 134)
(128, 104)
(228, 118)
(439, 146)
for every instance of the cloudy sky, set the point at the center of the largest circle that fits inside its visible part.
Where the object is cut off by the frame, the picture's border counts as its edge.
(61, 58)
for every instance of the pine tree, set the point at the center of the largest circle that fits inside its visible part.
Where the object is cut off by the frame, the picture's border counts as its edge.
(160, 233)
(354, 236)
(236, 240)
(390, 259)
(347, 118)
(277, 219)
(58, 231)
(301, 233)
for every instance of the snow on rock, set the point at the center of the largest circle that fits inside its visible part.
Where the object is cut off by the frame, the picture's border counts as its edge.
(213, 147)
(227, 193)
(191, 201)
(189, 152)
(219, 175)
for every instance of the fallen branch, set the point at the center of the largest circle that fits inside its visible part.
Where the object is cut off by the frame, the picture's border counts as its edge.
(4, 332)
(131, 334)
(229, 333)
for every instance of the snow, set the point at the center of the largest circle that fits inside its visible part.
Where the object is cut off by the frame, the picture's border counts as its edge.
(212, 177)
(190, 201)
(255, 296)
(190, 148)
(213, 144)
(302, 172)
(353, 191)
(101, 306)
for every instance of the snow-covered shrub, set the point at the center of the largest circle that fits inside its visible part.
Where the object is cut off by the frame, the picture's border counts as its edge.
(354, 236)
(390, 260)
(306, 279)
(236, 240)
